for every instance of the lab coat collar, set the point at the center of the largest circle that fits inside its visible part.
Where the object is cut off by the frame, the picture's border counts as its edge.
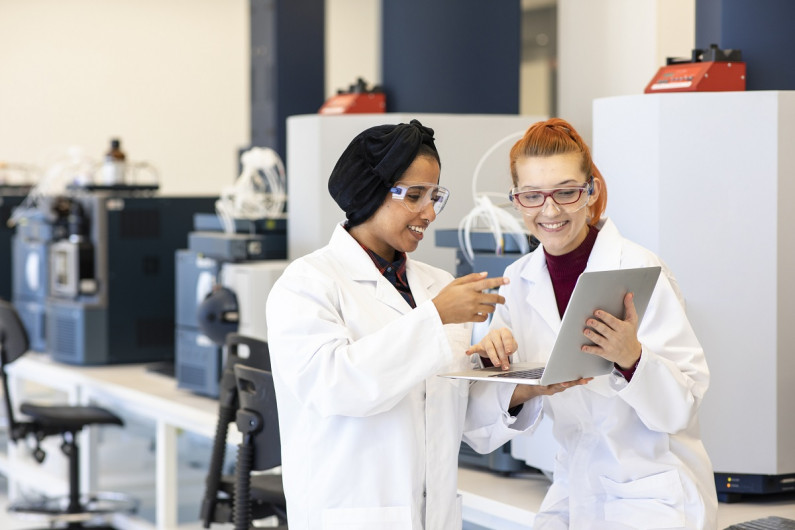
(361, 269)
(541, 294)
(607, 250)
(350, 252)
(421, 284)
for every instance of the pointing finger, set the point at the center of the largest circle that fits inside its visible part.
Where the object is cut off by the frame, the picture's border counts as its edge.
(475, 348)
(491, 283)
(471, 278)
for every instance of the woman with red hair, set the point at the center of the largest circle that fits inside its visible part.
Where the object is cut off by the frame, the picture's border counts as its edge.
(630, 453)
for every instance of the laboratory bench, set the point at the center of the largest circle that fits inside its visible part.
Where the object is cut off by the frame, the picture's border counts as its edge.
(490, 500)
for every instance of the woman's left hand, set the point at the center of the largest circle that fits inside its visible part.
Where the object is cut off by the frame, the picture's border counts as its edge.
(613, 338)
(524, 393)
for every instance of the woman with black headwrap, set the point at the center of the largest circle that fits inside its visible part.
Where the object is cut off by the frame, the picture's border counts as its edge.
(357, 333)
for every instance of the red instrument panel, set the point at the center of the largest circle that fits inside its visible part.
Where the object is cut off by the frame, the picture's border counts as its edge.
(707, 76)
(367, 102)
(357, 99)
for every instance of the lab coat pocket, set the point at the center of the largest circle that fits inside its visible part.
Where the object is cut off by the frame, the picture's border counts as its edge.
(386, 518)
(656, 501)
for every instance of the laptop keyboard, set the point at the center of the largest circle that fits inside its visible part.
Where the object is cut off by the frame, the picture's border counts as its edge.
(765, 523)
(534, 373)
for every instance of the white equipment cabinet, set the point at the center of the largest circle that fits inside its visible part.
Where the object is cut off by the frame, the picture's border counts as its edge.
(252, 282)
(707, 181)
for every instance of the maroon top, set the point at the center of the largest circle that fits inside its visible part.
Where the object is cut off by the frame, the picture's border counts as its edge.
(564, 270)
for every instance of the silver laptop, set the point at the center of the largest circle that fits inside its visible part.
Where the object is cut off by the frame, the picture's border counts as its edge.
(594, 290)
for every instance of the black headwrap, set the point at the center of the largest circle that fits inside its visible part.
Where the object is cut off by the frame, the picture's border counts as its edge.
(372, 163)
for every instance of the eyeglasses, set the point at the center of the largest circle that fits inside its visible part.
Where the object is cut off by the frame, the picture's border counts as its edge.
(417, 197)
(535, 198)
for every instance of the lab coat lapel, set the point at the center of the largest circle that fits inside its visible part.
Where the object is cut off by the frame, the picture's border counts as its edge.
(421, 285)
(386, 293)
(605, 255)
(540, 294)
(607, 250)
(362, 270)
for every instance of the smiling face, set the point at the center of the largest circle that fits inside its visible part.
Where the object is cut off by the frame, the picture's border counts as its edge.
(560, 229)
(393, 227)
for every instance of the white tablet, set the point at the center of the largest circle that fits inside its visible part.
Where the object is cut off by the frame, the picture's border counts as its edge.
(594, 290)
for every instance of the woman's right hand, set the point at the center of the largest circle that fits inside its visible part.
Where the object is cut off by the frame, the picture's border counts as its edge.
(464, 299)
(497, 345)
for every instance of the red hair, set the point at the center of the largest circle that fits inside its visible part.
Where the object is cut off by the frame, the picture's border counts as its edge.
(556, 137)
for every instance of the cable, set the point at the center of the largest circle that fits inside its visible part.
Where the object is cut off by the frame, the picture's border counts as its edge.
(493, 217)
(73, 168)
(258, 193)
(489, 151)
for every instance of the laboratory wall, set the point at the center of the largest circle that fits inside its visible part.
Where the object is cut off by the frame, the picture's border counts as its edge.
(614, 47)
(604, 48)
(170, 78)
(463, 57)
(761, 30)
(353, 43)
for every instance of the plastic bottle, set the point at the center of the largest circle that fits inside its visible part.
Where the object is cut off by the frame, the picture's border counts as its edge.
(113, 167)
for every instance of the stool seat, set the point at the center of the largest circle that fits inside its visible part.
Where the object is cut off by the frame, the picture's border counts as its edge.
(77, 510)
(69, 418)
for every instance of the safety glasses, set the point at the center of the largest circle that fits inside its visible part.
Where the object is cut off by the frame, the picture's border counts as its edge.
(416, 197)
(535, 198)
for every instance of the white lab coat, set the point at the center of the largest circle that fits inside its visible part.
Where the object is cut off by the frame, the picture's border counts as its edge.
(370, 436)
(630, 454)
